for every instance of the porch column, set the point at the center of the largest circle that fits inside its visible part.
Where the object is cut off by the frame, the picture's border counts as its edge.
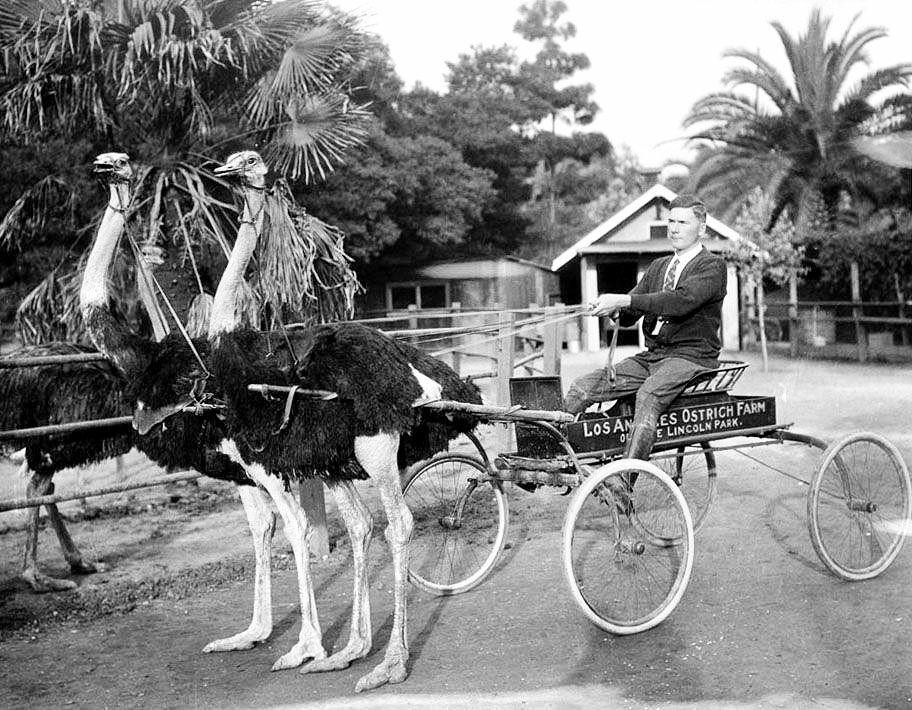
(589, 290)
(730, 320)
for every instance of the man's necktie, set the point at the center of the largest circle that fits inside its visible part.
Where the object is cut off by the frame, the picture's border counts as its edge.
(669, 283)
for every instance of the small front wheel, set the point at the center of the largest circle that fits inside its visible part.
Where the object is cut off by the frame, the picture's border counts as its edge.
(858, 506)
(628, 546)
(460, 523)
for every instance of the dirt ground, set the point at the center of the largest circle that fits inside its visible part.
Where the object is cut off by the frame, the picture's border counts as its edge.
(762, 624)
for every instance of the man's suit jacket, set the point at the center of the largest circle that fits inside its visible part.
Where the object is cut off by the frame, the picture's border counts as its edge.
(691, 312)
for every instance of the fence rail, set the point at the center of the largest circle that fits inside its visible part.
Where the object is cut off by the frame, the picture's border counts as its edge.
(511, 340)
(859, 329)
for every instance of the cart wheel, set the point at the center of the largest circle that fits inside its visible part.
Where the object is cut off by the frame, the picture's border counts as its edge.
(859, 506)
(627, 562)
(696, 476)
(460, 523)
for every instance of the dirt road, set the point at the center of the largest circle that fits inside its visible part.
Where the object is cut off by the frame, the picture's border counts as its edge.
(762, 624)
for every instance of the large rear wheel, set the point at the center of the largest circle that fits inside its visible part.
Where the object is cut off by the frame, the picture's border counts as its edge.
(460, 523)
(627, 558)
(858, 506)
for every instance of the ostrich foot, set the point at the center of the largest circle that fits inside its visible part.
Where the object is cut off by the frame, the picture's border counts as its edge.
(42, 583)
(83, 567)
(339, 660)
(239, 642)
(297, 655)
(391, 670)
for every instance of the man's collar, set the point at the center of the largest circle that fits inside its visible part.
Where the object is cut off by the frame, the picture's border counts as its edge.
(690, 252)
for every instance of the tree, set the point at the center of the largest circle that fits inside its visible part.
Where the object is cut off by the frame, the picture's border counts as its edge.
(173, 83)
(764, 253)
(792, 136)
(543, 85)
(403, 198)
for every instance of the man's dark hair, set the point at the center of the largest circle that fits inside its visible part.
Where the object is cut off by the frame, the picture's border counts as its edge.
(688, 201)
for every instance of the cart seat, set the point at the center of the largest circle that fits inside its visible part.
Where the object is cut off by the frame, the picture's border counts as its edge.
(722, 379)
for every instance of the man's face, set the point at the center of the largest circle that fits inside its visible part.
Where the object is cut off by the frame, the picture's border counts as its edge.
(684, 228)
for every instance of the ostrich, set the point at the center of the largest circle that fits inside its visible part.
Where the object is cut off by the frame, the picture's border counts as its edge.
(187, 441)
(34, 396)
(378, 381)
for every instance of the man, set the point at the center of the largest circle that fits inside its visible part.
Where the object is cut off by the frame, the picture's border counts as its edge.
(680, 301)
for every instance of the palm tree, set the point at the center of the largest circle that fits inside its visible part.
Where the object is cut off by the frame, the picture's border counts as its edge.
(793, 136)
(175, 84)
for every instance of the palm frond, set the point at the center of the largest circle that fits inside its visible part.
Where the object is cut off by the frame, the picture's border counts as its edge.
(304, 273)
(317, 130)
(31, 211)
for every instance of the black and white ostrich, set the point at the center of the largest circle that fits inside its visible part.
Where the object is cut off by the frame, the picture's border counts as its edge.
(370, 430)
(35, 396)
(154, 369)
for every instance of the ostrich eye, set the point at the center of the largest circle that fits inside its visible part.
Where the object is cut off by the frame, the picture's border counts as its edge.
(251, 161)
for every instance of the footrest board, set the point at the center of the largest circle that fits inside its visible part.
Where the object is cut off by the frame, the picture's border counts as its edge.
(682, 422)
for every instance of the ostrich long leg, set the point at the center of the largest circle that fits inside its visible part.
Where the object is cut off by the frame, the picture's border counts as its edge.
(377, 454)
(262, 521)
(310, 642)
(359, 524)
(70, 552)
(39, 484)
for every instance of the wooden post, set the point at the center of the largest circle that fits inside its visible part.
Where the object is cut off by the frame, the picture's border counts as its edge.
(901, 300)
(412, 322)
(861, 337)
(456, 307)
(310, 492)
(551, 349)
(793, 313)
(528, 345)
(505, 351)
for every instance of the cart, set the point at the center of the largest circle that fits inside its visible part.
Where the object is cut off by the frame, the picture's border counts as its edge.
(627, 558)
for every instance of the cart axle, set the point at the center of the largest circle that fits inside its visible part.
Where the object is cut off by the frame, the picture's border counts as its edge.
(864, 506)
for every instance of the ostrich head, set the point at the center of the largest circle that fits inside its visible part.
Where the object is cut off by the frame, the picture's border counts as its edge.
(246, 166)
(115, 166)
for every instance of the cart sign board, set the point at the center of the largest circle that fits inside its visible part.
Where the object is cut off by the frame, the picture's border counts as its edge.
(683, 422)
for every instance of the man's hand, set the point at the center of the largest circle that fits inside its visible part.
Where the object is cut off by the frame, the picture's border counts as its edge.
(608, 303)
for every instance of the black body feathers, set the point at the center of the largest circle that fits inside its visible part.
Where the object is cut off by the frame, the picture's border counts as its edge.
(369, 371)
(59, 394)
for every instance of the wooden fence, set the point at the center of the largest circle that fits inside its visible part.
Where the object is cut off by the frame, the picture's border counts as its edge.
(859, 330)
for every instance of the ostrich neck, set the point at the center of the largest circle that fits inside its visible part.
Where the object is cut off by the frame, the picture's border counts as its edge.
(225, 313)
(107, 332)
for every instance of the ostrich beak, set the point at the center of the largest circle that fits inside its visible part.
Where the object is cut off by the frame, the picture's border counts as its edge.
(102, 167)
(228, 169)
(144, 420)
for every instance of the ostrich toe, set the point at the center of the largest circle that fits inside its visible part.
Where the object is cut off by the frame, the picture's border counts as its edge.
(339, 660)
(83, 567)
(42, 583)
(239, 642)
(391, 670)
(300, 652)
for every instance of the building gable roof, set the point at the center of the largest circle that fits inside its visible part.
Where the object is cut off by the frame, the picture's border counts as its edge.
(656, 192)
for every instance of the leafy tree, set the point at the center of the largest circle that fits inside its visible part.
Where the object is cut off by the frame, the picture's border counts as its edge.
(764, 253)
(542, 84)
(174, 83)
(414, 194)
(791, 135)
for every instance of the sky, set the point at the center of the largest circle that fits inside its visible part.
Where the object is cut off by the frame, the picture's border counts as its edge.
(650, 59)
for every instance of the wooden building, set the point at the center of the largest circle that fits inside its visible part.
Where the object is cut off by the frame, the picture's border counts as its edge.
(505, 282)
